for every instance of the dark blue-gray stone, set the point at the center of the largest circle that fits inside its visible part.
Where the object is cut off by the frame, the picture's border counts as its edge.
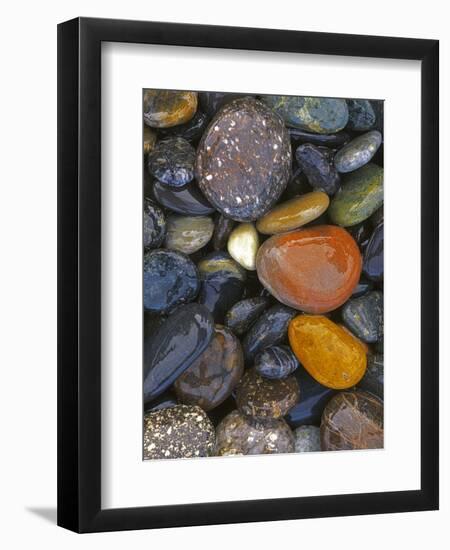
(154, 225)
(357, 152)
(244, 313)
(320, 172)
(172, 161)
(373, 379)
(187, 200)
(174, 346)
(361, 116)
(373, 261)
(190, 131)
(328, 140)
(362, 287)
(270, 329)
(170, 279)
(276, 362)
(364, 316)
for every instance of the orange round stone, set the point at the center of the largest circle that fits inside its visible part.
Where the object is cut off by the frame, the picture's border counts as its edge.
(313, 269)
(331, 354)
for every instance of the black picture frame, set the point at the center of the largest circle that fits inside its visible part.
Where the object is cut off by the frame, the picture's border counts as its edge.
(79, 269)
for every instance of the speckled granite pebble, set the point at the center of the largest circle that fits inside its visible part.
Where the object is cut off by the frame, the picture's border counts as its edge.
(172, 161)
(307, 439)
(178, 432)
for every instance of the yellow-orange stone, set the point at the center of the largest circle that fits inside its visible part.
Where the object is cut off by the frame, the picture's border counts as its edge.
(331, 354)
(165, 108)
(294, 213)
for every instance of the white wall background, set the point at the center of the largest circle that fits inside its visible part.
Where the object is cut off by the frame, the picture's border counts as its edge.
(28, 270)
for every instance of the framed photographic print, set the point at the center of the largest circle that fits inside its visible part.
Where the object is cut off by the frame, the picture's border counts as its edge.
(248, 275)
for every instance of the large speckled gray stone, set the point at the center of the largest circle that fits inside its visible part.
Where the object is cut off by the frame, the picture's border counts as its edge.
(357, 152)
(178, 432)
(307, 439)
(320, 115)
(244, 159)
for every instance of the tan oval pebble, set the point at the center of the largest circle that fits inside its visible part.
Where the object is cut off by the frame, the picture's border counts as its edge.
(243, 244)
(188, 233)
(294, 213)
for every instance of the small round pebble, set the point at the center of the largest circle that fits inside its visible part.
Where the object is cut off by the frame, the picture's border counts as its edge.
(276, 362)
(357, 152)
(307, 439)
(241, 435)
(188, 233)
(243, 244)
(178, 432)
(166, 108)
(172, 161)
(244, 313)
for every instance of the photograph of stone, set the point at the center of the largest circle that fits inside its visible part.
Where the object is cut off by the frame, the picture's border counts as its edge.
(262, 274)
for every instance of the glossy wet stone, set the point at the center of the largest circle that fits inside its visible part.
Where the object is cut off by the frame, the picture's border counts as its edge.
(187, 200)
(361, 233)
(178, 432)
(361, 116)
(307, 439)
(313, 269)
(270, 329)
(364, 316)
(373, 264)
(174, 346)
(214, 375)
(244, 313)
(352, 420)
(241, 435)
(188, 233)
(276, 362)
(164, 108)
(244, 160)
(243, 244)
(293, 213)
(357, 152)
(149, 139)
(320, 172)
(362, 288)
(223, 228)
(329, 140)
(222, 283)
(211, 102)
(170, 279)
(262, 398)
(191, 130)
(313, 114)
(312, 402)
(373, 380)
(329, 353)
(154, 225)
(163, 401)
(360, 195)
(172, 162)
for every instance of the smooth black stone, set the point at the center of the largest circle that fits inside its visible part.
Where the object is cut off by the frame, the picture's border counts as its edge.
(378, 107)
(329, 140)
(211, 102)
(377, 217)
(270, 329)
(361, 233)
(364, 316)
(313, 399)
(172, 161)
(178, 342)
(244, 313)
(222, 283)
(276, 362)
(362, 288)
(224, 226)
(190, 131)
(373, 379)
(163, 401)
(170, 279)
(373, 262)
(187, 200)
(297, 185)
(154, 225)
(361, 116)
(321, 173)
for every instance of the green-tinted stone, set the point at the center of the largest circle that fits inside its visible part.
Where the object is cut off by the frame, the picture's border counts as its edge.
(319, 115)
(188, 233)
(357, 152)
(361, 115)
(359, 197)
